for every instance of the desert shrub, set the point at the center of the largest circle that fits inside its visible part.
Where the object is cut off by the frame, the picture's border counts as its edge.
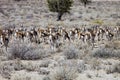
(94, 64)
(85, 2)
(18, 65)
(25, 51)
(6, 68)
(114, 68)
(2, 55)
(78, 65)
(106, 53)
(118, 24)
(1, 52)
(89, 75)
(60, 6)
(44, 64)
(21, 76)
(81, 66)
(30, 67)
(46, 78)
(44, 71)
(98, 22)
(63, 73)
(115, 16)
(71, 52)
(114, 44)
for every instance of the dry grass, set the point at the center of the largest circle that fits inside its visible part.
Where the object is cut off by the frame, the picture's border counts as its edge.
(71, 52)
(81, 66)
(106, 53)
(114, 68)
(115, 44)
(63, 73)
(25, 51)
(6, 68)
(30, 67)
(19, 76)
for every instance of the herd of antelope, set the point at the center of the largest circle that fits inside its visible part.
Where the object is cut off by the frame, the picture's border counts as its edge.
(55, 36)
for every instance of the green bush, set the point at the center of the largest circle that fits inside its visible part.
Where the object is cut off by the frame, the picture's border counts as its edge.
(59, 6)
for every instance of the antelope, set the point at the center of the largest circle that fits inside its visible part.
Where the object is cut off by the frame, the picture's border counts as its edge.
(90, 37)
(29, 35)
(71, 34)
(1, 32)
(43, 34)
(34, 32)
(87, 37)
(75, 33)
(117, 31)
(109, 35)
(54, 40)
(4, 41)
(65, 35)
(40, 31)
(10, 32)
(100, 33)
(81, 36)
(19, 34)
(51, 30)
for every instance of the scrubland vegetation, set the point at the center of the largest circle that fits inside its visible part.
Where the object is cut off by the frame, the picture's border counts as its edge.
(61, 57)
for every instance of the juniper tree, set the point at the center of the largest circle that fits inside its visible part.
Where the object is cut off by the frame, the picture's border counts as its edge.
(59, 6)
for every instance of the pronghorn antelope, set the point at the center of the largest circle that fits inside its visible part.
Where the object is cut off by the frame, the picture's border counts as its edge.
(4, 41)
(40, 32)
(77, 34)
(100, 33)
(65, 35)
(81, 36)
(43, 34)
(51, 30)
(19, 35)
(109, 35)
(34, 35)
(55, 34)
(72, 34)
(54, 40)
(92, 35)
(89, 37)
(10, 32)
(29, 35)
(117, 32)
